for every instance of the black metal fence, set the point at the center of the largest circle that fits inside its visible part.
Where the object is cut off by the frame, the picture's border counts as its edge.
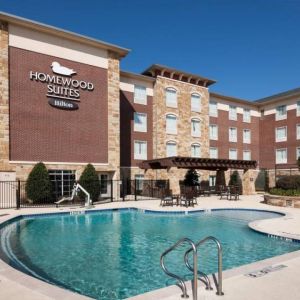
(13, 193)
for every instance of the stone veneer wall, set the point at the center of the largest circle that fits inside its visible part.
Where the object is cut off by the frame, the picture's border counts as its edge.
(114, 113)
(183, 137)
(4, 99)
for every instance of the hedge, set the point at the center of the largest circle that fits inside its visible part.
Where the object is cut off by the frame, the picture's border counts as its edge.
(282, 192)
(289, 182)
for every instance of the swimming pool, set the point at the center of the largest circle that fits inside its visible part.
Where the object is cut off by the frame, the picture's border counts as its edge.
(115, 254)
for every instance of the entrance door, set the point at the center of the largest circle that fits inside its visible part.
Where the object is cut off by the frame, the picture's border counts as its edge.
(105, 185)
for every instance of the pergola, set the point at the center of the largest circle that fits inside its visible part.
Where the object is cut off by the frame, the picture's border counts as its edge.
(211, 164)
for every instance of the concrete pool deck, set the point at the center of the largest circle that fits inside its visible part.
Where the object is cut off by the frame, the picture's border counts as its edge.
(280, 284)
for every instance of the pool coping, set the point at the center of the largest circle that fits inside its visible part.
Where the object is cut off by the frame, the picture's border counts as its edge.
(50, 290)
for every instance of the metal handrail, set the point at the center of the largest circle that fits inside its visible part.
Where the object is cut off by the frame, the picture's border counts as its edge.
(181, 282)
(201, 274)
(220, 264)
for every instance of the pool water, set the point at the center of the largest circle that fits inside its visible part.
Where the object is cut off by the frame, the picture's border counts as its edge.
(116, 254)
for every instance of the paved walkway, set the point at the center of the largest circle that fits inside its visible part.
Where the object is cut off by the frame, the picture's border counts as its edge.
(282, 284)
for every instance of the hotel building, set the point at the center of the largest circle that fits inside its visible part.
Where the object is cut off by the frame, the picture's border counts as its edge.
(65, 101)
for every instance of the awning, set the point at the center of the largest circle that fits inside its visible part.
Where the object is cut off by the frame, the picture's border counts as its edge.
(213, 164)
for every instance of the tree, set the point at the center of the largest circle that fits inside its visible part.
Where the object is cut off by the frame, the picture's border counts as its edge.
(38, 185)
(90, 181)
(191, 178)
(298, 162)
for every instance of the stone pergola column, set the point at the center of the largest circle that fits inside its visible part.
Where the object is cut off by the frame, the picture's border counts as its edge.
(248, 181)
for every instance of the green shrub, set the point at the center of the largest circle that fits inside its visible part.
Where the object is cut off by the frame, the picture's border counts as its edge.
(282, 192)
(288, 182)
(191, 178)
(38, 185)
(235, 179)
(90, 181)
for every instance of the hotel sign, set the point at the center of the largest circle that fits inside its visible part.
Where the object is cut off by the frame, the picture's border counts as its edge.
(62, 89)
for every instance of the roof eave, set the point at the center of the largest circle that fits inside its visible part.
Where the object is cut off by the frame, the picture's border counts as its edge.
(12, 19)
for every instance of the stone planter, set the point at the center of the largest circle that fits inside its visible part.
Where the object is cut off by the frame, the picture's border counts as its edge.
(284, 201)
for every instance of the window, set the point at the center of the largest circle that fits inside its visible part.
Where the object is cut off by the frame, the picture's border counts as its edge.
(140, 122)
(140, 95)
(140, 150)
(246, 155)
(213, 132)
(62, 182)
(246, 115)
(281, 134)
(281, 156)
(171, 97)
(196, 150)
(195, 102)
(171, 149)
(297, 152)
(212, 180)
(246, 136)
(232, 154)
(298, 108)
(171, 124)
(298, 131)
(139, 182)
(195, 128)
(232, 113)
(213, 152)
(281, 112)
(213, 109)
(232, 134)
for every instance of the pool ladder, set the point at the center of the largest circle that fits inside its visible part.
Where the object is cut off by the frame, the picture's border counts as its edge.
(194, 269)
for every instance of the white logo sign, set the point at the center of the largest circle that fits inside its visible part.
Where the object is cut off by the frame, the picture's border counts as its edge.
(62, 86)
(58, 69)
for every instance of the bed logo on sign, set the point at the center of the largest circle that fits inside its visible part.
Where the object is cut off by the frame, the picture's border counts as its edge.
(58, 69)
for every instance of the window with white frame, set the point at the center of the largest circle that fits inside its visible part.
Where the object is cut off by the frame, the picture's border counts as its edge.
(246, 155)
(232, 154)
(171, 97)
(213, 132)
(171, 149)
(246, 115)
(246, 136)
(298, 131)
(171, 124)
(297, 152)
(195, 128)
(213, 108)
(298, 108)
(281, 156)
(196, 150)
(139, 181)
(140, 94)
(281, 112)
(213, 152)
(140, 150)
(195, 102)
(281, 134)
(232, 113)
(140, 122)
(232, 134)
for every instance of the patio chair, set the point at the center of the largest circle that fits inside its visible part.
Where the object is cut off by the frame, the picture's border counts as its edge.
(167, 198)
(223, 192)
(234, 193)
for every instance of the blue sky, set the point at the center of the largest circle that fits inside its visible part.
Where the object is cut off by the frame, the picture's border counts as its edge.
(251, 47)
